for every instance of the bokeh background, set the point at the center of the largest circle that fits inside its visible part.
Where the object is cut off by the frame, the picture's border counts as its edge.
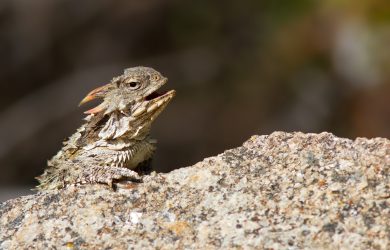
(239, 67)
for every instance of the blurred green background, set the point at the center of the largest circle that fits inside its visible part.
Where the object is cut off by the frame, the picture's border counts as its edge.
(239, 67)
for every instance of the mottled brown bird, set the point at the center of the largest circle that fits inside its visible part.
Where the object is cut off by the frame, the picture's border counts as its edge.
(115, 137)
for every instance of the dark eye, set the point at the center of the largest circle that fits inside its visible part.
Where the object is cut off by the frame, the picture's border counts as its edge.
(133, 85)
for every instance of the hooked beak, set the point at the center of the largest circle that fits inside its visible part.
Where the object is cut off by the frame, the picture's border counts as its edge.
(96, 93)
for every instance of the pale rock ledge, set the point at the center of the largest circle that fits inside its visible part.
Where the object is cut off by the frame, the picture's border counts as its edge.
(278, 191)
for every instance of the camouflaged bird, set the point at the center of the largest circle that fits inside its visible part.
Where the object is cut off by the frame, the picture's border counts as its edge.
(115, 138)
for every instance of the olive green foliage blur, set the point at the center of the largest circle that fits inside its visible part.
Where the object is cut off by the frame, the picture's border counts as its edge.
(239, 67)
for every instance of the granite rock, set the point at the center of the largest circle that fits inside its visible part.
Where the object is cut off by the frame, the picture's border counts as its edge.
(278, 191)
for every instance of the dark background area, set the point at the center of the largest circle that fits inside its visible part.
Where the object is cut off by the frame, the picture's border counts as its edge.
(239, 67)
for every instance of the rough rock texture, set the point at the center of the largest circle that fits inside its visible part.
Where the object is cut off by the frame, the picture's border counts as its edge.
(278, 191)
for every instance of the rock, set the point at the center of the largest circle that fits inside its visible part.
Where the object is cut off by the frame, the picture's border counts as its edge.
(285, 190)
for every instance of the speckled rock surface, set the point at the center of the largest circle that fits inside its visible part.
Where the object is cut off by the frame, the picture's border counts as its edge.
(285, 190)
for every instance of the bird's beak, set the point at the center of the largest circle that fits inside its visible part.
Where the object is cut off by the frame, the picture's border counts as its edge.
(96, 93)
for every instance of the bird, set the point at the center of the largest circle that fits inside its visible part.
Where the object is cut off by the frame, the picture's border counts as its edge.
(115, 137)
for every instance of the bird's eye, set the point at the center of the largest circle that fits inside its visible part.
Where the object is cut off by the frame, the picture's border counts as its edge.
(133, 85)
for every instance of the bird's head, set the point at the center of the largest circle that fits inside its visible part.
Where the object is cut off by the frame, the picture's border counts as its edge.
(134, 93)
